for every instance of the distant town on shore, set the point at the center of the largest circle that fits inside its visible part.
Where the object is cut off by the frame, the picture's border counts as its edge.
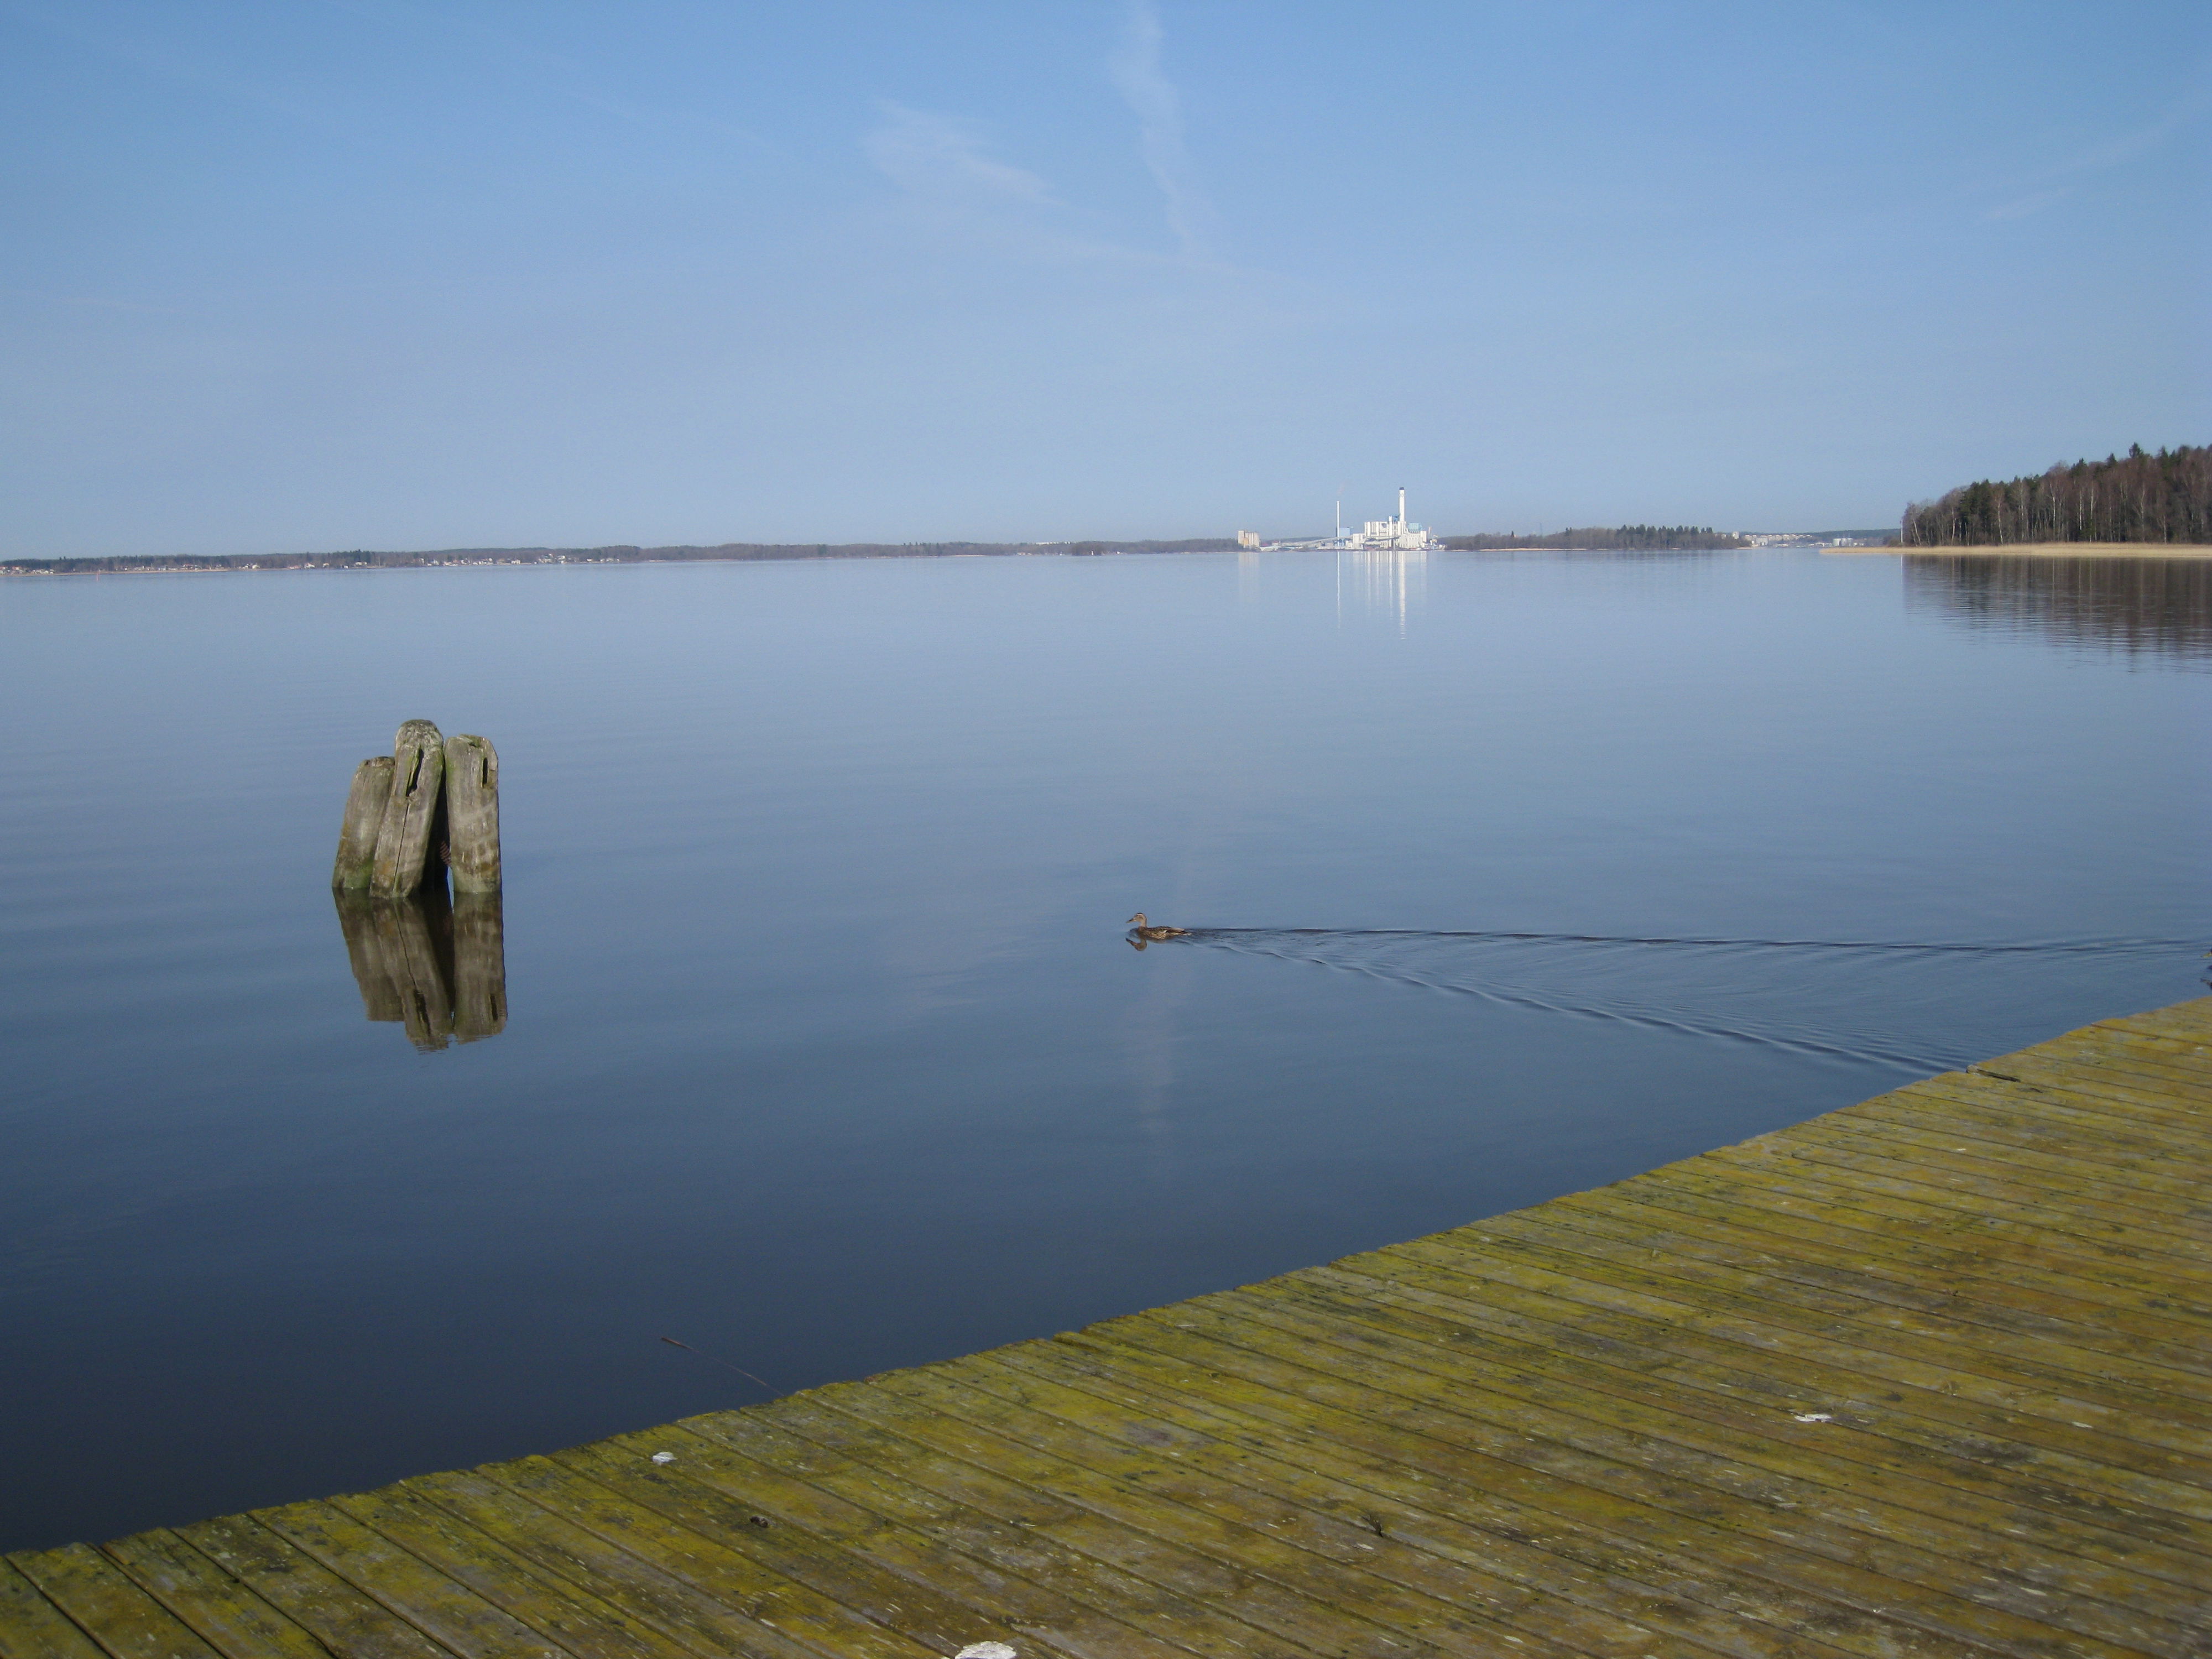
(2164, 497)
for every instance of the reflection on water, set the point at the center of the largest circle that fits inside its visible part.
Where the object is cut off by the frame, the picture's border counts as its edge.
(1381, 582)
(435, 965)
(1904, 1007)
(2158, 606)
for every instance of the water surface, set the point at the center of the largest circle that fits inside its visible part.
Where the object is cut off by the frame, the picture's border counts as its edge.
(819, 1046)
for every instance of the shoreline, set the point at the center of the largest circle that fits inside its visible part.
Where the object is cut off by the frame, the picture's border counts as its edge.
(2043, 550)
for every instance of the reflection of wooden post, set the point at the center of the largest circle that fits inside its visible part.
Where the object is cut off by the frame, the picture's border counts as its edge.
(364, 817)
(403, 840)
(410, 933)
(473, 813)
(479, 965)
(380, 997)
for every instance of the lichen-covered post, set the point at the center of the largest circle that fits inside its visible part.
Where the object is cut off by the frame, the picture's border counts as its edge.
(403, 840)
(473, 813)
(364, 817)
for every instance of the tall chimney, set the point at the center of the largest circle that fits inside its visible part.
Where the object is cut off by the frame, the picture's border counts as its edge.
(1401, 507)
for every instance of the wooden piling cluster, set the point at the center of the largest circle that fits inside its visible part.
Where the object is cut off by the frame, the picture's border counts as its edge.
(431, 806)
(1929, 1378)
(425, 813)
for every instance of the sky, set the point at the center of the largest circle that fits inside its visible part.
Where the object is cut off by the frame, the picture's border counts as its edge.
(333, 274)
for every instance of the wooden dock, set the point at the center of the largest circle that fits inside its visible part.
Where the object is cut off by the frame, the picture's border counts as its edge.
(1931, 1376)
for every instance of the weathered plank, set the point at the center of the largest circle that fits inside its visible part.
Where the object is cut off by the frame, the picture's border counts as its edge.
(1929, 1378)
(31, 1627)
(473, 813)
(357, 830)
(405, 838)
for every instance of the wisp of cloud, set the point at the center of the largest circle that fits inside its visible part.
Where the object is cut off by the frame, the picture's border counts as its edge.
(938, 157)
(1145, 87)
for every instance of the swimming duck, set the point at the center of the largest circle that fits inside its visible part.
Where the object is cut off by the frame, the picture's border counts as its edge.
(1142, 929)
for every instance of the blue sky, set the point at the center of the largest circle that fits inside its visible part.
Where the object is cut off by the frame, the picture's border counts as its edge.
(385, 274)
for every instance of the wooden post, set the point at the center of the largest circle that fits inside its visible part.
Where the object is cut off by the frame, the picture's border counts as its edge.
(403, 839)
(479, 965)
(473, 813)
(364, 817)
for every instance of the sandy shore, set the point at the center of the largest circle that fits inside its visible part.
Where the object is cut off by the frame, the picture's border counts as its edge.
(2054, 550)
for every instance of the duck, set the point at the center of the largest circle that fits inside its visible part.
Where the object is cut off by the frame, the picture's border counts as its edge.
(1143, 929)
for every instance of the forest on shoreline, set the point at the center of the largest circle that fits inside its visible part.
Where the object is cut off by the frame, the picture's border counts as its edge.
(2134, 497)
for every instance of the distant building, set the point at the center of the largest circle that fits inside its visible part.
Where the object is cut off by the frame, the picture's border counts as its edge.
(1377, 535)
(1248, 538)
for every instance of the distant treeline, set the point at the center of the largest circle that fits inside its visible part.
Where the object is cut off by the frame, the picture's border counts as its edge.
(621, 555)
(2136, 497)
(1628, 536)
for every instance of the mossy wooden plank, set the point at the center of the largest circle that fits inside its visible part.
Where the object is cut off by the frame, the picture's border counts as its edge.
(1737, 1518)
(2140, 1197)
(1051, 1396)
(2192, 1018)
(345, 1619)
(231, 1617)
(2081, 1475)
(1581, 1495)
(1916, 1433)
(1228, 1608)
(1867, 1446)
(2021, 1313)
(2008, 1282)
(123, 1618)
(1801, 1209)
(1980, 1188)
(2051, 1350)
(1321, 1597)
(978, 1555)
(2118, 1058)
(1304, 1414)
(2149, 1104)
(2092, 1143)
(2159, 1115)
(440, 1607)
(2022, 1383)
(697, 1508)
(1801, 1190)
(2113, 1124)
(2162, 1062)
(31, 1627)
(1682, 1594)
(581, 1622)
(2167, 1248)
(750, 1611)
(2019, 1137)
(1904, 1527)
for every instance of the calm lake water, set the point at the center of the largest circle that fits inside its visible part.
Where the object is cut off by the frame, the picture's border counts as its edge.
(823, 1050)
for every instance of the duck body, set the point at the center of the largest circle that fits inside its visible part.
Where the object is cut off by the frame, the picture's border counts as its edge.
(1144, 929)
